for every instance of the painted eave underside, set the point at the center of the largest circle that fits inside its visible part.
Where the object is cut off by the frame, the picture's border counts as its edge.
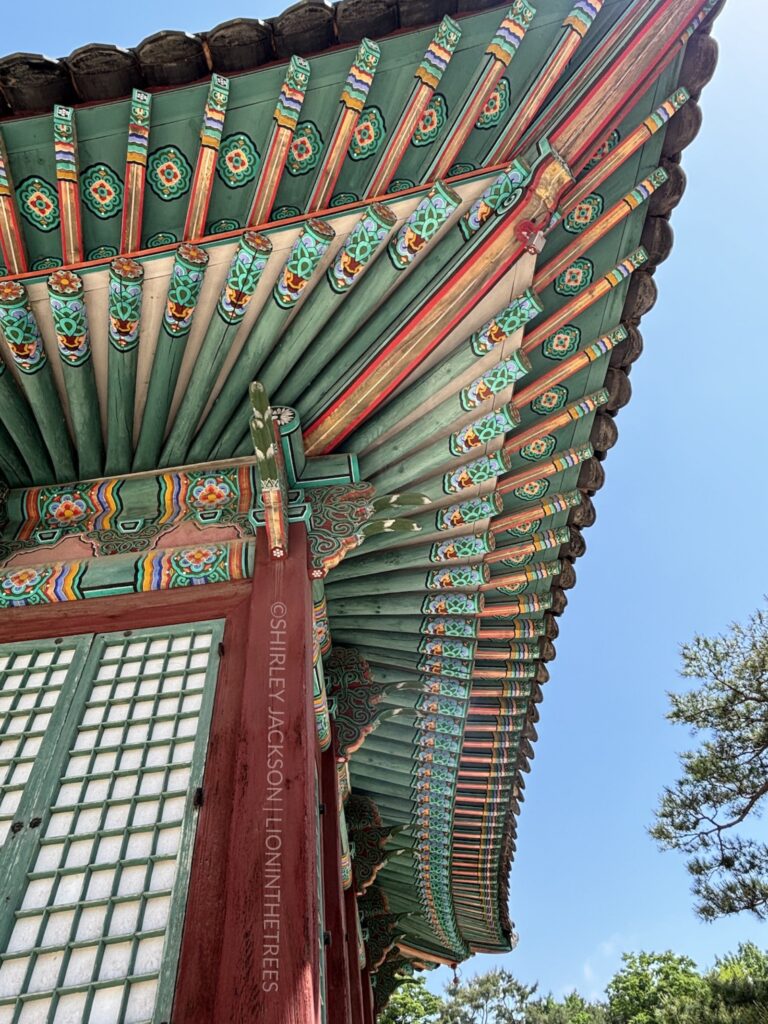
(472, 356)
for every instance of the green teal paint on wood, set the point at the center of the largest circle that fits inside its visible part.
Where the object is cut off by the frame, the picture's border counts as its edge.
(243, 276)
(25, 343)
(183, 292)
(306, 253)
(70, 322)
(18, 420)
(126, 279)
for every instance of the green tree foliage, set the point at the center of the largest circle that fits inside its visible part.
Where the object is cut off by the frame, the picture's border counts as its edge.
(724, 781)
(653, 988)
(412, 1003)
(493, 998)
(574, 1009)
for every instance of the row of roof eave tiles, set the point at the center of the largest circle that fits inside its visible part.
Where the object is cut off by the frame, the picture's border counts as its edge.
(657, 238)
(33, 83)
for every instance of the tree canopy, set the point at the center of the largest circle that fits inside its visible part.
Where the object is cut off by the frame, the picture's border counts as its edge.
(724, 780)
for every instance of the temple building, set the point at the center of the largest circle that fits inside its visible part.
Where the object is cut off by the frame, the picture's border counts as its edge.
(313, 333)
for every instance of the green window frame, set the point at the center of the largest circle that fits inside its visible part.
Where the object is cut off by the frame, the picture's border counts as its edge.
(103, 740)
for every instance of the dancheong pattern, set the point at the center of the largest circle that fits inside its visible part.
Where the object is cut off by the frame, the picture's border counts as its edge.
(184, 289)
(368, 134)
(169, 173)
(244, 272)
(238, 161)
(70, 320)
(20, 329)
(125, 288)
(102, 191)
(562, 343)
(584, 214)
(496, 106)
(423, 224)
(306, 149)
(552, 400)
(432, 121)
(574, 278)
(308, 249)
(39, 203)
(363, 241)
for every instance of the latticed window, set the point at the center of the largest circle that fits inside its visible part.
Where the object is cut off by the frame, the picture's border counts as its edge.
(102, 748)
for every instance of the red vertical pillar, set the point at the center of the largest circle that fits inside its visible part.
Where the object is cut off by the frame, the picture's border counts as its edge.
(337, 965)
(355, 974)
(250, 951)
(367, 997)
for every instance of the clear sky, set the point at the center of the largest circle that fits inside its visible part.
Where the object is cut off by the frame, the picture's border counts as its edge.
(683, 486)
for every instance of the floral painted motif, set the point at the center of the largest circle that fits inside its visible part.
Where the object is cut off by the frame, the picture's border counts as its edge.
(432, 121)
(610, 143)
(169, 173)
(368, 134)
(39, 203)
(500, 195)
(562, 343)
(243, 276)
(124, 293)
(102, 191)
(45, 584)
(541, 448)
(184, 567)
(430, 215)
(453, 603)
(493, 381)
(70, 321)
(19, 327)
(307, 251)
(495, 107)
(67, 508)
(47, 263)
(211, 492)
(550, 401)
(20, 582)
(184, 289)
(574, 278)
(363, 241)
(476, 472)
(438, 648)
(472, 511)
(306, 149)
(532, 490)
(500, 327)
(461, 577)
(472, 546)
(238, 161)
(480, 432)
(584, 214)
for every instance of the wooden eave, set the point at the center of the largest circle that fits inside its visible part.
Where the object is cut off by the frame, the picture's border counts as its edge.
(449, 863)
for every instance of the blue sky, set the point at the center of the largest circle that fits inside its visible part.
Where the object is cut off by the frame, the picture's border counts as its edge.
(682, 493)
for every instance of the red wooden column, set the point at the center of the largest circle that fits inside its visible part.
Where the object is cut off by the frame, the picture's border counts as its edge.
(367, 997)
(355, 974)
(251, 945)
(336, 962)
